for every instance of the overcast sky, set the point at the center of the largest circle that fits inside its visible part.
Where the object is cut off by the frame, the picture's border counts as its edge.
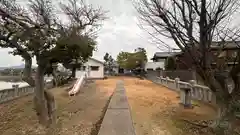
(119, 32)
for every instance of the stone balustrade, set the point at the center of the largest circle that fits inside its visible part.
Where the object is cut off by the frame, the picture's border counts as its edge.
(16, 92)
(198, 92)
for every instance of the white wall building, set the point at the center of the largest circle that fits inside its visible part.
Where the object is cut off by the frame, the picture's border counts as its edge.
(154, 65)
(94, 69)
(159, 60)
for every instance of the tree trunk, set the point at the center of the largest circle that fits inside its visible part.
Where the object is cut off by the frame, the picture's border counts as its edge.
(226, 103)
(55, 77)
(27, 71)
(43, 100)
(73, 72)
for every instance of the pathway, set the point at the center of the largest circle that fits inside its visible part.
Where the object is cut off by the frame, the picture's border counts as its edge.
(117, 120)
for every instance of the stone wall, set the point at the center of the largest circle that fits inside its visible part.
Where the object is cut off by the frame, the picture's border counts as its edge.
(16, 92)
(184, 75)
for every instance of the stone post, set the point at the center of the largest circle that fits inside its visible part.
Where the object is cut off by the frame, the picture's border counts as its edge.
(182, 97)
(167, 79)
(205, 95)
(177, 83)
(213, 98)
(161, 77)
(185, 96)
(193, 90)
(15, 87)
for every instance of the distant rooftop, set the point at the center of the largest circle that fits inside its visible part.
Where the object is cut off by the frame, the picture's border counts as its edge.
(74, 61)
(226, 44)
(165, 54)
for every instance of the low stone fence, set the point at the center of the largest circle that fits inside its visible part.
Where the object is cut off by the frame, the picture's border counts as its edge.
(15, 92)
(198, 92)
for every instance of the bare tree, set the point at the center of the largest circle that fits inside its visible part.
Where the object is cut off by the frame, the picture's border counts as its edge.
(194, 25)
(85, 18)
(33, 31)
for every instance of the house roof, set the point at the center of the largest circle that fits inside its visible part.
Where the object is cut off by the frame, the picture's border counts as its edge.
(91, 59)
(165, 54)
(227, 44)
(97, 60)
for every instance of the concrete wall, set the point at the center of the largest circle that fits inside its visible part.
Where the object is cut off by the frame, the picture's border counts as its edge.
(16, 92)
(154, 65)
(184, 75)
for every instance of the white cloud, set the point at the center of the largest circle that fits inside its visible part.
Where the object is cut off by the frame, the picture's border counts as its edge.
(119, 33)
(7, 59)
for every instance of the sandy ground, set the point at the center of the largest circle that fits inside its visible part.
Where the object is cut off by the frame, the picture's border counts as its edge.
(156, 111)
(76, 115)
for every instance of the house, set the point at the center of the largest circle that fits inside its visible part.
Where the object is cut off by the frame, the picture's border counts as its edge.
(228, 49)
(93, 67)
(162, 56)
(159, 60)
(150, 66)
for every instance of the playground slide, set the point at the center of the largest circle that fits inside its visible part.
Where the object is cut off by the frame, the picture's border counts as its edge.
(80, 81)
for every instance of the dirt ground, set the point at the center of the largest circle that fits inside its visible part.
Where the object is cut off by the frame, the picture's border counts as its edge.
(156, 110)
(77, 115)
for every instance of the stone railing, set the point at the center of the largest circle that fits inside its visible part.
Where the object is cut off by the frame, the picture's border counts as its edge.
(16, 92)
(198, 92)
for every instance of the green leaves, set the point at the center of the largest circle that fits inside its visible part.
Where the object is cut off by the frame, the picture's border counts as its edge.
(129, 60)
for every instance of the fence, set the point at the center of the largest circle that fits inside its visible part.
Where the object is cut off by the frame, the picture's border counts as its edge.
(15, 92)
(185, 75)
(198, 92)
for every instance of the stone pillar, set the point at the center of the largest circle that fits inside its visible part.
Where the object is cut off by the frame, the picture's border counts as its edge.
(213, 98)
(161, 77)
(185, 96)
(182, 97)
(15, 87)
(177, 83)
(205, 95)
(167, 78)
(193, 90)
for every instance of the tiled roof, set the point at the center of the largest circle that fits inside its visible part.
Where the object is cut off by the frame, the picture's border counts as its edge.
(97, 60)
(165, 54)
